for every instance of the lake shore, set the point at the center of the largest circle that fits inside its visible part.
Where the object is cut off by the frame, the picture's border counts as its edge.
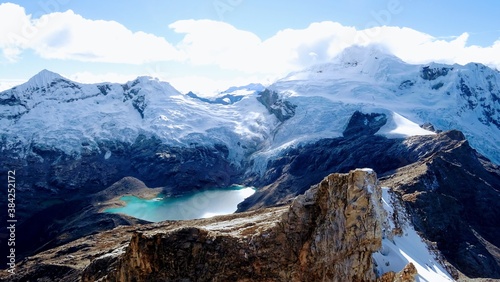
(203, 204)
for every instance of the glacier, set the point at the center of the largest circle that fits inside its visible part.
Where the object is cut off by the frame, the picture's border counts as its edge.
(69, 116)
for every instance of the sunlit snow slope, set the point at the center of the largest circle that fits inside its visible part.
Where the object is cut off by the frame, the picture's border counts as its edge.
(55, 112)
(399, 250)
(466, 98)
(69, 116)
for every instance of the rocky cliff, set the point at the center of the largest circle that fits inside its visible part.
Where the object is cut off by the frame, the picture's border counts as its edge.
(451, 191)
(297, 168)
(50, 181)
(453, 197)
(327, 234)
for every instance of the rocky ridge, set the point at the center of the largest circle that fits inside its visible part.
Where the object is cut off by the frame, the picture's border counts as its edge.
(453, 196)
(327, 234)
(445, 184)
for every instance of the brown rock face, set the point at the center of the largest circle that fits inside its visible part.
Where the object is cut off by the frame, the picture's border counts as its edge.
(327, 234)
(407, 274)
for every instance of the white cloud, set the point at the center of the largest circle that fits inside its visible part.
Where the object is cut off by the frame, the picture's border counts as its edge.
(13, 24)
(206, 86)
(221, 44)
(9, 83)
(69, 36)
(317, 43)
(218, 45)
(416, 47)
(209, 42)
(90, 77)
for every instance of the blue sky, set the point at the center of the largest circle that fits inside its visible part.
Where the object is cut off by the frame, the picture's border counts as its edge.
(210, 45)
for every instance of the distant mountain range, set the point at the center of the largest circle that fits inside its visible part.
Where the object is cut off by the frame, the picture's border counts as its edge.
(425, 129)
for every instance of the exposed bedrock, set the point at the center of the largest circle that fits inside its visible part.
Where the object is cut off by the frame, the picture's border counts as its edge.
(327, 234)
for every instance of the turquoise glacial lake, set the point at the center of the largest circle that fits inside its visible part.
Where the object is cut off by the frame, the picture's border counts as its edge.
(197, 205)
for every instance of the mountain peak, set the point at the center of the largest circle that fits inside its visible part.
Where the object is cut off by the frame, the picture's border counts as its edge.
(372, 60)
(43, 78)
(363, 54)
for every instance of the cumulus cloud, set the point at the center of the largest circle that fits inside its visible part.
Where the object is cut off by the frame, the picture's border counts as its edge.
(216, 43)
(68, 36)
(416, 47)
(9, 83)
(13, 24)
(90, 77)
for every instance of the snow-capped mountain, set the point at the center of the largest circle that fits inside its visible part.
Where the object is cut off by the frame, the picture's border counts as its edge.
(466, 98)
(364, 109)
(61, 114)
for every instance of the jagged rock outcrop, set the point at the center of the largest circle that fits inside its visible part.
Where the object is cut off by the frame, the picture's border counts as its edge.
(364, 124)
(451, 191)
(277, 106)
(453, 197)
(407, 274)
(327, 234)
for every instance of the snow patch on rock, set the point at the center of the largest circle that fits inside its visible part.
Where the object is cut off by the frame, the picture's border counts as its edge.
(406, 246)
